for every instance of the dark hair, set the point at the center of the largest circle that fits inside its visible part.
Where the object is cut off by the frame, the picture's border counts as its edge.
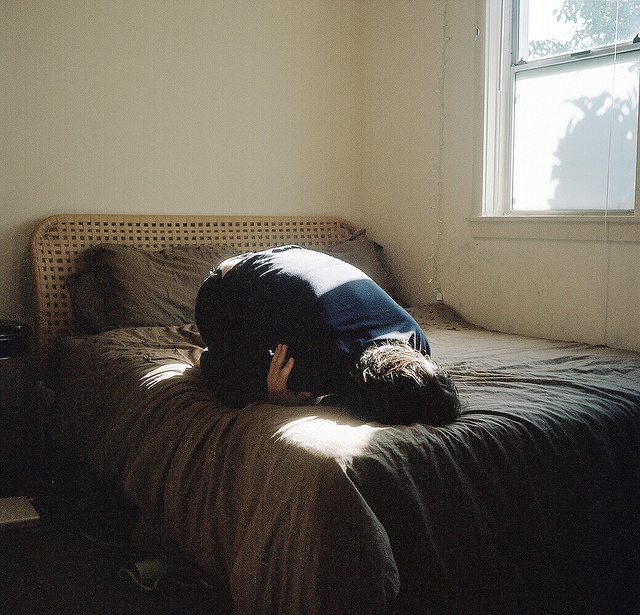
(396, 384)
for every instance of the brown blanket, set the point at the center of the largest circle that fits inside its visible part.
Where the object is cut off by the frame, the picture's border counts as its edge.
(528, 503)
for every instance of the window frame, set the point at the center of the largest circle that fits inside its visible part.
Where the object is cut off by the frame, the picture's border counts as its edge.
(501, 64)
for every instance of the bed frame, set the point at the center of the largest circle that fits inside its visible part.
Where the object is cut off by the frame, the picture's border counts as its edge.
(57, 241)
(528, 503)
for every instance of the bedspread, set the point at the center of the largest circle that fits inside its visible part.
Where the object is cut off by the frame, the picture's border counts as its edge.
(529, 503)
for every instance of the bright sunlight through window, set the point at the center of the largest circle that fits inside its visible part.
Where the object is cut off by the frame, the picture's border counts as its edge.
(567, 101)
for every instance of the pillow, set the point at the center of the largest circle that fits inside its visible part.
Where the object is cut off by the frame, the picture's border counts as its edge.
(122, 286)
(366, 255)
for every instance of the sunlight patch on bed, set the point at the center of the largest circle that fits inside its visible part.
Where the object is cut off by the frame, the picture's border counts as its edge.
(327, 438)
(163, 372)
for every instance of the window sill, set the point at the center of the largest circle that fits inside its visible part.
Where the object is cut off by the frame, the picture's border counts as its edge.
(571, 228)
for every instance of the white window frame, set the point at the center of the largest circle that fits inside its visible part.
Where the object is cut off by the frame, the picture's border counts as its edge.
(498, 109)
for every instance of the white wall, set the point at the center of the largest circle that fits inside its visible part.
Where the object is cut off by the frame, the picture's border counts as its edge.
(423, 183)
(163, 106)
(371, 109)
(571, 281)
(402, 108)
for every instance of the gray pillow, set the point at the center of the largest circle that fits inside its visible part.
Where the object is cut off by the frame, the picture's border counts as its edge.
(121, 286)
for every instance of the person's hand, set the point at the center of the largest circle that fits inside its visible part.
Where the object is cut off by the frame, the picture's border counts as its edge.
(277, 379)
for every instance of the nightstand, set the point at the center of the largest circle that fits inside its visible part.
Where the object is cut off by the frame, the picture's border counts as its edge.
(16, 422)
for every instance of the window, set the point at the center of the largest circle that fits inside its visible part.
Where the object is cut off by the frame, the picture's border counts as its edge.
(562, 106)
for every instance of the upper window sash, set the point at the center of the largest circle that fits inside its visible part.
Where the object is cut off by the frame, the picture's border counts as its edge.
(612, 51)
(550, 32)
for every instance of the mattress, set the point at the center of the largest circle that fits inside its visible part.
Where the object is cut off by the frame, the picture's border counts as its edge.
(528, 503)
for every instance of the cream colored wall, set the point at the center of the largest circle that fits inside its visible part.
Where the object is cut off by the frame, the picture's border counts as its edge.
(423, 182)
(402, 108)
(190, 106)
(582, 287)
(366, 108)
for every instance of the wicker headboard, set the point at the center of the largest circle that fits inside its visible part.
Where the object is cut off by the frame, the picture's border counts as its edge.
(57, 241)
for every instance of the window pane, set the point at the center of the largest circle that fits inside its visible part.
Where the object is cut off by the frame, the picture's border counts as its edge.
(574, 142)
(552, 27)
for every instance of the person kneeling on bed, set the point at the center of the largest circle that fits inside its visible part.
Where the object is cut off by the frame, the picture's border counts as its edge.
(292, 326)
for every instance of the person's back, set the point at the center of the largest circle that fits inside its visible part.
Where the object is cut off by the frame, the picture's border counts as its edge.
(326, 311)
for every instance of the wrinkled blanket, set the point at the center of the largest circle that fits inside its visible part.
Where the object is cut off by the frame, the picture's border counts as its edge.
(529, 503)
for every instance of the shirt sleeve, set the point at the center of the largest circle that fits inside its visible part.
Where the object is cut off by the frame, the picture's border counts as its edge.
(232, 326)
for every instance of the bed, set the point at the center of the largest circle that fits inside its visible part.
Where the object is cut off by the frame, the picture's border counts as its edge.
(528, 503)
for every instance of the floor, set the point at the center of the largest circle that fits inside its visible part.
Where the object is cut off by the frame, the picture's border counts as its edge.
(57, 568)
(73, 563)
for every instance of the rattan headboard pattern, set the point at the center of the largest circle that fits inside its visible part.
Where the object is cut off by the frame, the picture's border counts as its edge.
(57, 241)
